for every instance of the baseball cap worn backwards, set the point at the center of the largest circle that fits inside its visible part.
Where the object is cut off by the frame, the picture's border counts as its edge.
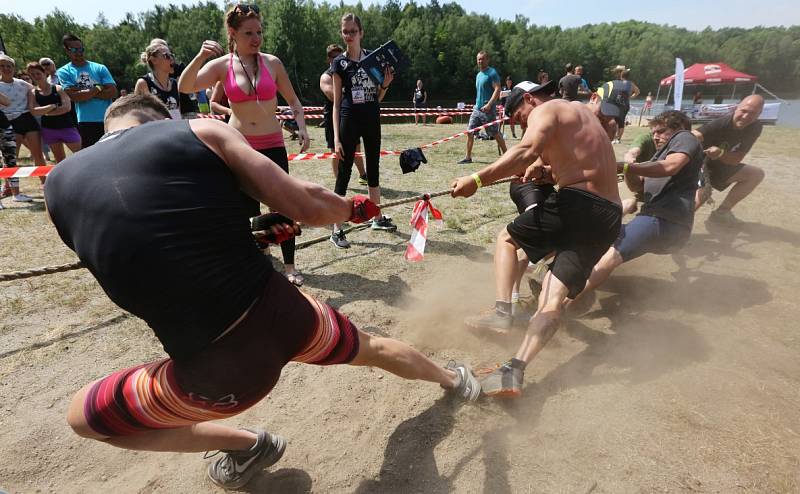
(515, 97)
(614, 102)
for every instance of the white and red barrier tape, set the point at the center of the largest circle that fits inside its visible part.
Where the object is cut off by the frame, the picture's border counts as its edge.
(41, 171)
(319, 117)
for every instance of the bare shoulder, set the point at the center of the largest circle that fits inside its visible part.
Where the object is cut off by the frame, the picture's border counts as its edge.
(272, 59)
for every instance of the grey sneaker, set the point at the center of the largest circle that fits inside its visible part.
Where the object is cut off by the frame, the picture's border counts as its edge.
(384, 223)
(339, 240)
(464, 161)
(504, 382)
(725, 217)
(468, 387)
(22, 198)
(235, 468)
(491, 320)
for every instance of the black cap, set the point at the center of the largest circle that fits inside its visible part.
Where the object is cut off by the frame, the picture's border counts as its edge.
(614, 102)
(515, 97)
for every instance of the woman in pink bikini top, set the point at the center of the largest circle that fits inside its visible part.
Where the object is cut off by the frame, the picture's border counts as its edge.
(251, 80)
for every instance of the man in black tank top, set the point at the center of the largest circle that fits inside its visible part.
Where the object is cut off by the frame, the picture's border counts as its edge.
(165, 231)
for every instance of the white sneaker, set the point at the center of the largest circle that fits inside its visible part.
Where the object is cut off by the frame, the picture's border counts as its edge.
(22, 198)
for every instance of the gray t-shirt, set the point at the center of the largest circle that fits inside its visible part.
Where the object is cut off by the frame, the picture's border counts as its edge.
(672, 198)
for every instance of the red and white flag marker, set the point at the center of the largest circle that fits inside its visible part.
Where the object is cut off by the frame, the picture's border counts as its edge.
(419, 233)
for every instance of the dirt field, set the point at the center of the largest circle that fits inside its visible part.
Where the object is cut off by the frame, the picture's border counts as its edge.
(683, 377)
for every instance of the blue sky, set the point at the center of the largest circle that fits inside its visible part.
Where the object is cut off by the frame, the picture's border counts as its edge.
(691, 14)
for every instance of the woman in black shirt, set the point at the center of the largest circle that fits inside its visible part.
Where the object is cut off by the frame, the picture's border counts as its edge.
(158, 82)
(53, 104)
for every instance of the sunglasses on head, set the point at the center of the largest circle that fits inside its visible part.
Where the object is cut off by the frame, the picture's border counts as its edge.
(167, 55)
(75, 50)
(46, 64)
(246, 8)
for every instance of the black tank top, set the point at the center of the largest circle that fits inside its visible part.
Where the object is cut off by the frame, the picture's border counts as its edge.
(171, 98)
(159, 220)
(63, 121)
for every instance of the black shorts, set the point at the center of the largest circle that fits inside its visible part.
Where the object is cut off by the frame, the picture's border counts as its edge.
(526, 195)
(25, 123)
(577, 225)
(720, 174)
(90, 132)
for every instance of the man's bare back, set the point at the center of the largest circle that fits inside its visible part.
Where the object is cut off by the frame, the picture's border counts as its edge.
(578, 149)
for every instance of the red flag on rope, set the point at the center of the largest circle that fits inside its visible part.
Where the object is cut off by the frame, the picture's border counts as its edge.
(419, 233)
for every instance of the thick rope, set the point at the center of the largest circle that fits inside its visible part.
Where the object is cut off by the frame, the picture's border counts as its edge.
(30, 273)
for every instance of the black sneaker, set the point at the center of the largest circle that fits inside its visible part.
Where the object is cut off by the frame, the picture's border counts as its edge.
(384, 223)
(235, 468)
(504, 382)
(339, 240)
(464, 161)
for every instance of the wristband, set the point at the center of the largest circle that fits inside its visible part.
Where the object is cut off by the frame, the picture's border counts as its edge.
(625, 168)
(477, 180)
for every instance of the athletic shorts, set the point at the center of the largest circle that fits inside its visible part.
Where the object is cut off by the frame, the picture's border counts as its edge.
(650, 235)
(721, 174)
(478, 118)
(53, 136)
(90, 132)
(526, 194)
(25, 123)
(577, 225)
(234, 373)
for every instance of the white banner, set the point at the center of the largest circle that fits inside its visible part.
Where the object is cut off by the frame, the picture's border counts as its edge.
(678, 83)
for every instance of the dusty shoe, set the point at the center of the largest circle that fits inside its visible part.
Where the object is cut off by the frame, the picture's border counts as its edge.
(725, 217)
(235, 468)
(384, 223)
(490, 320)
(504, 382)
(468, 387)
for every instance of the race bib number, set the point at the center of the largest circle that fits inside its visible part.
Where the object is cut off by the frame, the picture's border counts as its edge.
(358, 96)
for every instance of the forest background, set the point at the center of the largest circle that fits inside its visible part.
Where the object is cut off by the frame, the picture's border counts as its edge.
(440, 39)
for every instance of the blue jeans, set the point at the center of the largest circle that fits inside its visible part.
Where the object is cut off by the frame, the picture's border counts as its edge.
(649, 234)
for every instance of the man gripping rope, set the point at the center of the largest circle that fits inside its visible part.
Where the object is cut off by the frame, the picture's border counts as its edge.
(166, 233)
(579, 222)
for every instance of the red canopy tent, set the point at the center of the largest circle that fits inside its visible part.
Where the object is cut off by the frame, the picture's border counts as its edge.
(710, 73)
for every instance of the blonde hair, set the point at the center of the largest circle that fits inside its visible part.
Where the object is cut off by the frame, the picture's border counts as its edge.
(156, 44)
(234, 18)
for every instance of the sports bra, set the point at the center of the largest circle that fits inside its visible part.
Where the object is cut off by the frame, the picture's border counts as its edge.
(265, 88)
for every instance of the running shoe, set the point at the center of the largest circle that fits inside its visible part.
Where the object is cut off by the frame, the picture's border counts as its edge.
(468, 386)
(725, 217)
(504, 382)
(491, 320)
(384, 223)
(235, 468)
(339, 240)
(22, 198)
(464, 161)
(362, 180)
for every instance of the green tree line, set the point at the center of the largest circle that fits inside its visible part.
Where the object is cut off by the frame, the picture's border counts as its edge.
(440, 39)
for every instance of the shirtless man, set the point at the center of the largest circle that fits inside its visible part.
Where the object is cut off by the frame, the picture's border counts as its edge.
(171, 209)
(579, 222)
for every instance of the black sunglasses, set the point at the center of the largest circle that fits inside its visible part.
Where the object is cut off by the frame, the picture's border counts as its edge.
(246, 8)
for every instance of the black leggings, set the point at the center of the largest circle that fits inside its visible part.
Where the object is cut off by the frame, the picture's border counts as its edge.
(353, 128)
(278, 155)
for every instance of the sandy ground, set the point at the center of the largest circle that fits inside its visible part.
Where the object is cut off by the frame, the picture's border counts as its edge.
(683, 377)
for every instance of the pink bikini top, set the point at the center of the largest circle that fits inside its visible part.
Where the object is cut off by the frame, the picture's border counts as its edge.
(265, 90)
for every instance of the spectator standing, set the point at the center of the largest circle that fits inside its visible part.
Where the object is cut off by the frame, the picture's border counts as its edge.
(487, 86)
(568, 85)
(158, 82)
(53, 104)
(420, 101)
(90, 87)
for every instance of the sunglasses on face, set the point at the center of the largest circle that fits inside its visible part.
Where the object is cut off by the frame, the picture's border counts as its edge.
(168, 56)
(246, 8)
(350, 32)
(75, 50)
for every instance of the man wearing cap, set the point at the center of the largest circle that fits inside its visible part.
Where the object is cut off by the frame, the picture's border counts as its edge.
(727, 140)
(667, 183)
(487, 85)
(566, 143)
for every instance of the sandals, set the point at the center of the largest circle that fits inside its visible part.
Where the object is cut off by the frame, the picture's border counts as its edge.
(295, 278)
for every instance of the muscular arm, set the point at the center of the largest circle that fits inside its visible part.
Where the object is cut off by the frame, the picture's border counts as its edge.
(81, 95)
(713, 152)
(495, 95)
(530, 148)
(262, 179)
(109, 91)
(667, 167)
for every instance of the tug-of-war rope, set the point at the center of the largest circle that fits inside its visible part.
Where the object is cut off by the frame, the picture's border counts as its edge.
(61, 268)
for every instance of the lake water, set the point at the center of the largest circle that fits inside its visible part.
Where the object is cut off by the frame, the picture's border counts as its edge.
(789, 115)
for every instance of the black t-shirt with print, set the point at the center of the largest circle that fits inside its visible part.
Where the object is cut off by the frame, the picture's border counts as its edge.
(721, 133)
(359, 92)
(672, 198)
